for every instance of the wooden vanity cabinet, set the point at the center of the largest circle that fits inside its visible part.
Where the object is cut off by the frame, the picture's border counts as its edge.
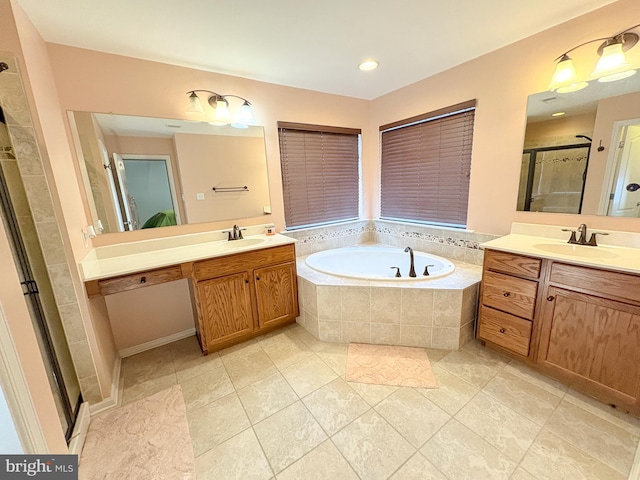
(508, 300)
(578, 324)
(243, 295)
(590, 335)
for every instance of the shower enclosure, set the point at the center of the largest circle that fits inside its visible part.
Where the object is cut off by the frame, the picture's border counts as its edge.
(36, 285)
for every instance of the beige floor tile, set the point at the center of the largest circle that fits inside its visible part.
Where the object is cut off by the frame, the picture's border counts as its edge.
(435, 355)
(609, 443)
(239, 458)
(462, 455)
(189, 361)
(308, 375)
(266, 397)
(152, 364)
(453, 394)
(335, 405)
(372, 447)
(335, 361)
(206, 387)
(411, 414)
(144, 388)
(248, 369)
(526, 398)
(241, 350)
(322, 463)
(472, 368)
(418, 468)
(547, 383)
(288, 435)
(604, 411)
(287, 351)
(488, 356)
(502, 427)
(551, 458)
(372, 394)
(216, 422)
(522, 474)
(312, 342)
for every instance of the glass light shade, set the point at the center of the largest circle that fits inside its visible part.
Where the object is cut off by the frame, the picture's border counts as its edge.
(611, 60)
(245, 116)
(572, 87)
(617, 76)
(564, 74)
(222, 116)
(195, 106)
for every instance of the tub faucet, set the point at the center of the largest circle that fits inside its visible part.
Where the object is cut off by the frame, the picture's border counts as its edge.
(412, 269)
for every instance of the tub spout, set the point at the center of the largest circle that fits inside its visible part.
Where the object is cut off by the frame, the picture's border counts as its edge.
(412, 269)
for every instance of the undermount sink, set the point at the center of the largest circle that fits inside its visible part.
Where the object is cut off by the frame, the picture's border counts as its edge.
(583, 251)
(243, 242)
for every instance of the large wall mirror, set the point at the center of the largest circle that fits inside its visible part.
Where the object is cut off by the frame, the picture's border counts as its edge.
(142, 172)
(581, 151)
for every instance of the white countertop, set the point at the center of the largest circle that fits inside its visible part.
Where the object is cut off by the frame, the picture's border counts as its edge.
(105, 262)
(623, 259)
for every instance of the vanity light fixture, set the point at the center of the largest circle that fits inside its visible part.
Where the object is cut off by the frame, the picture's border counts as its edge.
(221, 113)
(611, 66)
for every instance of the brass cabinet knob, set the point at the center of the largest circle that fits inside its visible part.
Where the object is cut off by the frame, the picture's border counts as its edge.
(506, 294)
(551, 298)
(143, 280)
(502, 330)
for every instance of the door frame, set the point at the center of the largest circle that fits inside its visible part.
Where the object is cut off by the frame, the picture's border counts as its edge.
(170, 176)
(612, 163)
(17, 393)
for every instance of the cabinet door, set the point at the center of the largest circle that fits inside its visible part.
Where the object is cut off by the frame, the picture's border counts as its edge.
(225, 307)
(276, 293)
(595, 339)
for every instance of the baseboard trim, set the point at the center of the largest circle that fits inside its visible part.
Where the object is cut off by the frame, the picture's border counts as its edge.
(127, 352)
(112, 400)
(79, 435)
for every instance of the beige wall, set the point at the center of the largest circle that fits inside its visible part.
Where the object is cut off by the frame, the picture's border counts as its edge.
(501, 82)
(559, 131)
(208, 161)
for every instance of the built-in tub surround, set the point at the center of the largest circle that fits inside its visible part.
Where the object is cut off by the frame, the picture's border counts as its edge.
(438, 313)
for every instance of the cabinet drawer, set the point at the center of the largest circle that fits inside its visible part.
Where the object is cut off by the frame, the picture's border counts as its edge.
(140, 279)
(620, 286)
(509, 332)
(509, 294)
(243, 261)
(511, 263)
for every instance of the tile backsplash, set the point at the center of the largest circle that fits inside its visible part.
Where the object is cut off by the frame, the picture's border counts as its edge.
(453, 244)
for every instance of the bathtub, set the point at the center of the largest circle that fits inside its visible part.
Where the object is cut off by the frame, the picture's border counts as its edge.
(366, 303)
(374, 263)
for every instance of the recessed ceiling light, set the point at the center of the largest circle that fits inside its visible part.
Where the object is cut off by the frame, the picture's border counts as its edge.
(367, 65)
(557, 114)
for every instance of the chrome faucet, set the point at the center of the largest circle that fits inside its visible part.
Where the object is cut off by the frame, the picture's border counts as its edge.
(412, 269)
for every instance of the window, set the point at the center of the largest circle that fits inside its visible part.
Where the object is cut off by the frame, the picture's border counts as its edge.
(320, 173)
(426, 162)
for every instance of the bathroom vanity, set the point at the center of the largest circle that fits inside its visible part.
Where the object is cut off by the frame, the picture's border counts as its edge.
(239, 289)
(572, 312)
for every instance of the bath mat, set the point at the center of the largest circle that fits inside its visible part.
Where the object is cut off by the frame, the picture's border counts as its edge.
(147, 439)
(389, 365)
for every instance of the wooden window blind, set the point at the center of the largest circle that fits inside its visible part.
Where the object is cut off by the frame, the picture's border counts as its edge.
(426, 162)
(320, 173)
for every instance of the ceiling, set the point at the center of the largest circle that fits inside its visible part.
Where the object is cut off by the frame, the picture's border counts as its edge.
(312, 45)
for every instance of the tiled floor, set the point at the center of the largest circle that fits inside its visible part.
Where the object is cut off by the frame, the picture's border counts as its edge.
(279, 407)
